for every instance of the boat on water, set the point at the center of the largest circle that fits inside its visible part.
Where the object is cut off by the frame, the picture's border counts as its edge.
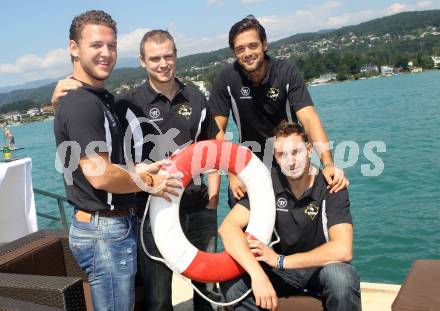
(11, 149)
(375, 296)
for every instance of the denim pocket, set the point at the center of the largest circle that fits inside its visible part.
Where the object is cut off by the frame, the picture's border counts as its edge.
(115, 229)
(84, 250)
(83, 228)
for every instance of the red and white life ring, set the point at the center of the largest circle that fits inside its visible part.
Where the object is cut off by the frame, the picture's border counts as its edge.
(180, 254)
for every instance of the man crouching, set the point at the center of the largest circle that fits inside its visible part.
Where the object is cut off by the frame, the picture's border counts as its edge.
(315, 230)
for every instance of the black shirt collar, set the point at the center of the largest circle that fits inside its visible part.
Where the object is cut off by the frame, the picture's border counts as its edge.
(281, 185)
(266, 78)
(93, 89)
(152, 96)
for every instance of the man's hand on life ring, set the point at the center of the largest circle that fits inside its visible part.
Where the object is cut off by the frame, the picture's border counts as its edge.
(237, 187)
(162, 185)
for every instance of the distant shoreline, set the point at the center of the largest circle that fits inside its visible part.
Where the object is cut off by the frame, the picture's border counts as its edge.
(40, 118)
(309, 84)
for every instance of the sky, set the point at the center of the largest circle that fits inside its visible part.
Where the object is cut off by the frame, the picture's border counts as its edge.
(34, 34)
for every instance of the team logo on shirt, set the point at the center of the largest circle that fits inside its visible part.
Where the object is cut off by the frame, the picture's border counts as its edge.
(273, 93)
(312, 210)
(282, 203)
(154, 113)
(185, 111)
(245, 91)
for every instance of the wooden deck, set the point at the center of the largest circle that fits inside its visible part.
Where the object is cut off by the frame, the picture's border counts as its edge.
(375, 296)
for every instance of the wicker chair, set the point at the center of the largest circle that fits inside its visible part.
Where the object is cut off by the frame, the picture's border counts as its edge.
(38, 272)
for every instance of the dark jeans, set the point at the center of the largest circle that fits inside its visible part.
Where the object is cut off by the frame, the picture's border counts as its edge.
(200, 227)
(338, 284)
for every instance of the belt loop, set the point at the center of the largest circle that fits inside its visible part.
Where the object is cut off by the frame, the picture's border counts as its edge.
(96, 219)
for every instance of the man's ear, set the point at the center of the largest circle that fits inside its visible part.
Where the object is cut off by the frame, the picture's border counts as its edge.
(265, 46)
(74, 48)
(309, 150)
(141, 59)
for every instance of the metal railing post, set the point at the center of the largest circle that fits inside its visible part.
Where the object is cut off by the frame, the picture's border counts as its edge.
(60, 199)
(62, 214)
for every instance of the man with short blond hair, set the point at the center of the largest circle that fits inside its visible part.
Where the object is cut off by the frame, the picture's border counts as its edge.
(173, 115)
(104, 226)
(177, 114)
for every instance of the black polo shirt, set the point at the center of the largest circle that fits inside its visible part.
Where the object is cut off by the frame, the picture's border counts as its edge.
(303, 223)
(86, 116)
(257, 110)
(166, 126)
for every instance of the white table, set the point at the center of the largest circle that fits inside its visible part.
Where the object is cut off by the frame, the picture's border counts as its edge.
(18, 216)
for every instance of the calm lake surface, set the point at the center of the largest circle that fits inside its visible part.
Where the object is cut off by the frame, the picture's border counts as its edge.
(396, 214)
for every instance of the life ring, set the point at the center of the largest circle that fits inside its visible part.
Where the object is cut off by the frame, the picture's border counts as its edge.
(193, 160)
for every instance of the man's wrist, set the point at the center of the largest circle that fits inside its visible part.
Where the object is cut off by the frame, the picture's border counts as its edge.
(148, 179)
(280, 262)
(327, 164)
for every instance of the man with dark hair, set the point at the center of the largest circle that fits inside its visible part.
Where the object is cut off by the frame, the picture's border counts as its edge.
(315, 231)
(172, 115)
(104, 228)
(262, 91)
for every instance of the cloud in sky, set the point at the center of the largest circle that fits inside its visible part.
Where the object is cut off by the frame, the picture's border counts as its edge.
(211, 2)
(251, 1)
(128, 43)
(326, 16)
(424, 4)
(396, 8)
(56, 63)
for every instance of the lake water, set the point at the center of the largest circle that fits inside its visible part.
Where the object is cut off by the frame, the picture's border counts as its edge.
(396, 214)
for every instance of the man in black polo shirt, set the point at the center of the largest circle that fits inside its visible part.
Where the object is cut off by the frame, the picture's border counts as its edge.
(88, 133)
(262, 91)
(169, 115)
(315, 231)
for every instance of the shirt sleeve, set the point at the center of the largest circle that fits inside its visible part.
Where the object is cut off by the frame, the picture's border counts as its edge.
(245, 202)
(209, 128)
(83, 121)
(220, 100)
(337, 208)
(297, 92)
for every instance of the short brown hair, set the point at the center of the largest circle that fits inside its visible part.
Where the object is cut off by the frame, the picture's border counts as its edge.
(93, 17)
(157, 36)
(285, 129)
(247, 23)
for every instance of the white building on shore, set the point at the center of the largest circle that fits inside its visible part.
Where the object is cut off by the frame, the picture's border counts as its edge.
(386, 70)
(202, 87)
(436, 60)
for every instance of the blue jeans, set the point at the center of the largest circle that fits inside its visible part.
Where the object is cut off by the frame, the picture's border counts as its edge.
(105, 249)
(337, 284)
(200, 227)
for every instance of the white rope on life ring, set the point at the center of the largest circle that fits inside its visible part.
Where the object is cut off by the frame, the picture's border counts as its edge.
(191, 161)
